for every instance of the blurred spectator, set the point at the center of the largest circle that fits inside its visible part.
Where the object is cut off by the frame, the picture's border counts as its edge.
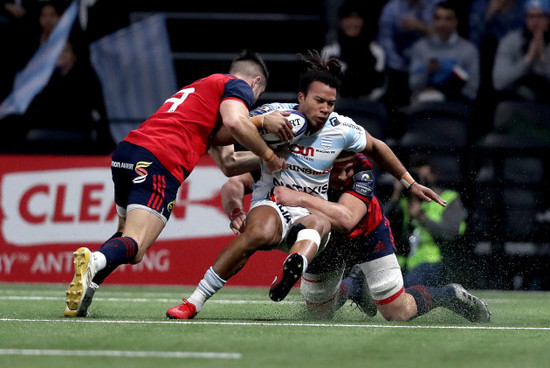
(522, 61)
(402, 22)
(444, 66)
(370, 11)
(426, 227)
(489, 22)
(361, 57)
(70, 108)
(17, 26)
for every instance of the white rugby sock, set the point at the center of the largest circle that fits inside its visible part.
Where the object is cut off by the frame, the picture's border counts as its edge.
(100, 262)
(207, 287)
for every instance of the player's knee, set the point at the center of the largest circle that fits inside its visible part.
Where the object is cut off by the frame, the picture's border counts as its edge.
(300, 232)
(257, 237)
(394, 314)
(384, 278)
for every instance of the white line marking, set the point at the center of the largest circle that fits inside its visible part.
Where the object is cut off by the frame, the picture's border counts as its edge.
(145, 300)
(121, 353)
(278, 324)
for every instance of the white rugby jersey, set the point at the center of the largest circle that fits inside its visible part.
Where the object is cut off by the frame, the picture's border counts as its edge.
(310, 159)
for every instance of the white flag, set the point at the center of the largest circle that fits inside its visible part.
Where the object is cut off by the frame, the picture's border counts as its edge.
(35, 76)
(135, 67)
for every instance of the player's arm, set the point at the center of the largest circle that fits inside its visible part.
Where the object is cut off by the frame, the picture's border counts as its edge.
(232, 193)
(235, 117)
(234, 163)
(343, 215)
(386, 158)
(274, 122)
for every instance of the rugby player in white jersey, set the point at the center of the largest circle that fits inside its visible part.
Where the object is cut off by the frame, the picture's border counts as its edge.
(309, 160)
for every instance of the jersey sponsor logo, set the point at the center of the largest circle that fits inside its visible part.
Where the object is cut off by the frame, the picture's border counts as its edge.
(306, 170)
(350, 125)
(315, 190)
(334, 121)
(140, 170)
(285, 213)
(122, 165)
(302, 150)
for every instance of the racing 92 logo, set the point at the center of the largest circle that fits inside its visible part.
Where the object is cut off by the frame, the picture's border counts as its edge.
(140, 170)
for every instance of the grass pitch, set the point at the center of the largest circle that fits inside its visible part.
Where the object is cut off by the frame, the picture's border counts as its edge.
(241, 327)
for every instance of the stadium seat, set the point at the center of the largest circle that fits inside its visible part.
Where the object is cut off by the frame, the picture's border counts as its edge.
(437, 125)
(524, 119)
(520, 210)
(370, 115)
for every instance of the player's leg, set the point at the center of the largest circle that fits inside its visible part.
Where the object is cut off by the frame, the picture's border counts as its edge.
(396, 303)
(354, 287)
(304, 240)
(263, 229)
(320, 284)
(144, 194)
(360, 250)
(141, 230)
(97, 279)
(321, 292)
(453, 297)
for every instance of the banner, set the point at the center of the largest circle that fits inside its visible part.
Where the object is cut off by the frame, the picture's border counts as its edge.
(52, 205)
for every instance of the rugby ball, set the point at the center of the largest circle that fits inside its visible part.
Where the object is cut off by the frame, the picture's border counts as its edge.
(299, 126)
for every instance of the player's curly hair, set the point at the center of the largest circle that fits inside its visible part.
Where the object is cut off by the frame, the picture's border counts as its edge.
(328, 71)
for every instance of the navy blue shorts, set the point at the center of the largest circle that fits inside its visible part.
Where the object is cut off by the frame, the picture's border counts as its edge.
(142, 182)
(345, 251)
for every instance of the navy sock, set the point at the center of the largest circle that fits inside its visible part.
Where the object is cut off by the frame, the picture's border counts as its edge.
(428, 298)
(350, 286)
(117, 251)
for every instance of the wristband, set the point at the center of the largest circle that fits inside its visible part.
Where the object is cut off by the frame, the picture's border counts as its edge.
(270, 156)
(407, 180)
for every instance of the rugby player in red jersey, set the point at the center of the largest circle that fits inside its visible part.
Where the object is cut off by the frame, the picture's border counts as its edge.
(150, 164)
(361, 247)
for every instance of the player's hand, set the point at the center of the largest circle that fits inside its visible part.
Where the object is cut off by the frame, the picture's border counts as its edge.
(286, 196)
(277, 123)
(274, 163)
(237, 220)
(426, 194)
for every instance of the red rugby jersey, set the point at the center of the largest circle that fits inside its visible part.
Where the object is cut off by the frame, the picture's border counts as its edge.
(361, 185)
(177, 134)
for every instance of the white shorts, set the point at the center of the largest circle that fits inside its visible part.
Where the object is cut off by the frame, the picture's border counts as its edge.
(384, 280)
(288, 216)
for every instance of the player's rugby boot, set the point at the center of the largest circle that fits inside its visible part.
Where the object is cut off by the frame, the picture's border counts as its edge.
(78, 295)
(186, 310)
(467, 305)
(362, 296)
(292, 271)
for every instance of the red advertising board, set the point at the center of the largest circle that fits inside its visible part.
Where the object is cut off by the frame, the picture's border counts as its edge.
(51, 205)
